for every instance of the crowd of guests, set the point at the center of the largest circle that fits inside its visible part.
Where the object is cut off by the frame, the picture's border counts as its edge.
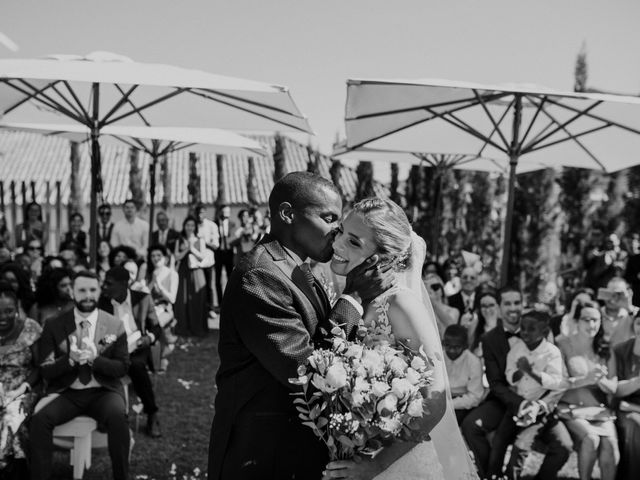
(72, 339)
(541, 377)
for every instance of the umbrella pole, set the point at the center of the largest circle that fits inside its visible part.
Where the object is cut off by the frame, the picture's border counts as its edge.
(436, 228)
(95, 172)
(514, 154)
(152, 192)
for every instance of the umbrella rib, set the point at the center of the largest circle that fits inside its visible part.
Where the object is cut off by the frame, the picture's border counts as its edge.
(495, 125)
(569, 137)
(39, 96)
(119, 103)
(533, 120)
(504, 114)
(560, 126)
(128, 100)
(248, 110)
(574, 138)
(73, 107)
(75, 97)
(148, 105)
(244, 100)
(597, 117)
(29, 96)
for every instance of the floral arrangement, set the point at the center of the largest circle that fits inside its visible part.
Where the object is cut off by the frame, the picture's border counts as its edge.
(358, 396)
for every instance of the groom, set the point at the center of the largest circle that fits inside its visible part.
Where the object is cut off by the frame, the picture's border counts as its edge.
(273, 314)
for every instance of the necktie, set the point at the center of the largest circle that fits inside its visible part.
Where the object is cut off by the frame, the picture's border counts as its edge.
(163, 237)
(223, 235)
(84, 371)
(308, 275)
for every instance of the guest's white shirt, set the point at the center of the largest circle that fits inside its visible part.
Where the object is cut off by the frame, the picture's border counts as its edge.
(124, 312)
(546, 362)
(92, 318)
(465, 380)
(132, 234)
(208, 231)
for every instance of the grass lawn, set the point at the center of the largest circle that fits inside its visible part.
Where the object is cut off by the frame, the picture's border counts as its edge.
(185, 396)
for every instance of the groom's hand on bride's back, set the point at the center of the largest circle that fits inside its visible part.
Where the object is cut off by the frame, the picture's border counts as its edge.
(369, 279)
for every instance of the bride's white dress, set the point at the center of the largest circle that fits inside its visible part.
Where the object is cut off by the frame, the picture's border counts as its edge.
(421, 462)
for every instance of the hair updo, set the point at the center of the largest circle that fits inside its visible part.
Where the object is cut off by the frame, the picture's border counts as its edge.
(391, 229)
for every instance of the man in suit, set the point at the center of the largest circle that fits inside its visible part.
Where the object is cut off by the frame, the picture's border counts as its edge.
(632, 271)
(223, 254)
(105, 225)
(137, 313)
(273, 312)
(502, 404)
(164, 235)
(464, 300)
(82, 355)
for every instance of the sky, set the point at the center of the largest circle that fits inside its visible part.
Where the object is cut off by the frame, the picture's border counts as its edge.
(313, 47)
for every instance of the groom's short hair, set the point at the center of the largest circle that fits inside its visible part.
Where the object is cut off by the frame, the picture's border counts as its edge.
(297, 188)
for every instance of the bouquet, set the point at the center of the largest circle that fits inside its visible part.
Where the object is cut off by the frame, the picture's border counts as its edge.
(359, 396)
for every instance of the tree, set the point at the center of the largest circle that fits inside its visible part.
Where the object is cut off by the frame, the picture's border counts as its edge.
(394, 195)
(252, 184)
(364, 187)
(279, 167)
(335, 171)
(135, 178)
(222, 182)
(193, 187)
(75, 192)
(313, 160)
(580, 71)
(165, 180)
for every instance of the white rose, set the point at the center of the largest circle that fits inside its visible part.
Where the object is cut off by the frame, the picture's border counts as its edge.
(397, 365)
(336, 376)
(413, 377)
(357, 398)
(390, 424)
(387, 406)
(418, 363)
(319, 382)
(361, 385)
(401, 388)
(415, 408)
(379, 388)
(354, 351)
(373, 362)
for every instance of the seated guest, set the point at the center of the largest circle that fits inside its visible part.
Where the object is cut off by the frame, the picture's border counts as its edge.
(18, 375)
(50, 262)
(445, 315)
(593, 431)
(625, 364)
(163, 282)
(464, 300)
(19, 281)
(165, 235)
(534, 367)
(102, 263)
(75, 238)
(53, 294)
(135, 283)
(568, 323)
(464, 370)
(484, 319)
(618, 311)
(120, 254)
(32, 228)
(83, 357)
(137, 313)
(73, 259)
(34, 255)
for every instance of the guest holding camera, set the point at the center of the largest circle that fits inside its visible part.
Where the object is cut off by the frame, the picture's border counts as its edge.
(445, 315)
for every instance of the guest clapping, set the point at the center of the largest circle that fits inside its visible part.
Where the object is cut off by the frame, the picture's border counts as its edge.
(54, 295)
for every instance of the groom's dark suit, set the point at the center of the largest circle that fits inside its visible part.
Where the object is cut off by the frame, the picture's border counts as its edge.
(270, 319)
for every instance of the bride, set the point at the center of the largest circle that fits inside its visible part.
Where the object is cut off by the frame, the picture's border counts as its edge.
(402, 314)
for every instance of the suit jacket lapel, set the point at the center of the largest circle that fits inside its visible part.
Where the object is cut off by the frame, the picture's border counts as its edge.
(101, 328)
(138, 314)
(70, 325)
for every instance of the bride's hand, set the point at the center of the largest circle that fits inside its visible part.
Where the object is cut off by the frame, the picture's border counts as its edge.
(360, 468)
(369, 279)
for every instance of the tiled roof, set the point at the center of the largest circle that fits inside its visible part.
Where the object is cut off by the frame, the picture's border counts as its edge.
(32, 157)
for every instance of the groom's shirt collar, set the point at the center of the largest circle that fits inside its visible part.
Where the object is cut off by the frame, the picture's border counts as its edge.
(298, 261)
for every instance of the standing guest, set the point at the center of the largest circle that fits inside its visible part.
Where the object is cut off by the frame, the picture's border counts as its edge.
(207, 231)
(452, 279)
(617, 312)
(5, 254)
(464, 300)
(75, 238)
(534, 367)
(464, 370)
(136, 312)
(105, 225)
(445, 315)
(625, 365)
(244, 237)
(103, 264)
(18, 279)
(5, 234)
(502, 404)
(224, 253)
(585, 356)
(163, 283)
(164, 235)
(485, 319)
(54, 293)
(191, 302)
(83, 357)
(18, 376)
(131, 230)
(632, 272)
(32, 227)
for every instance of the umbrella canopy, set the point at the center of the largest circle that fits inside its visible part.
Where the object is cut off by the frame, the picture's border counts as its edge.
(545, 126)
(102, 89)
(155, 141)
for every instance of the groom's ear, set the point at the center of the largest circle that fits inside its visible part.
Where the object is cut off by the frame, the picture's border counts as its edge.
(285, 212)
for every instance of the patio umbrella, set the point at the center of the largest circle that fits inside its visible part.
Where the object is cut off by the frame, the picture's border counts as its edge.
(102, 89)
(440, 162)
(586, 130)
(155, 141)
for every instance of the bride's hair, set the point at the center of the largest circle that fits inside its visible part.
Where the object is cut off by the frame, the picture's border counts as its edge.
(391, 229)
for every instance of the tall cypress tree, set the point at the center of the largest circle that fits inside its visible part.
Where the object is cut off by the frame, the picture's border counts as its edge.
(279, 167)
(364, 173)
